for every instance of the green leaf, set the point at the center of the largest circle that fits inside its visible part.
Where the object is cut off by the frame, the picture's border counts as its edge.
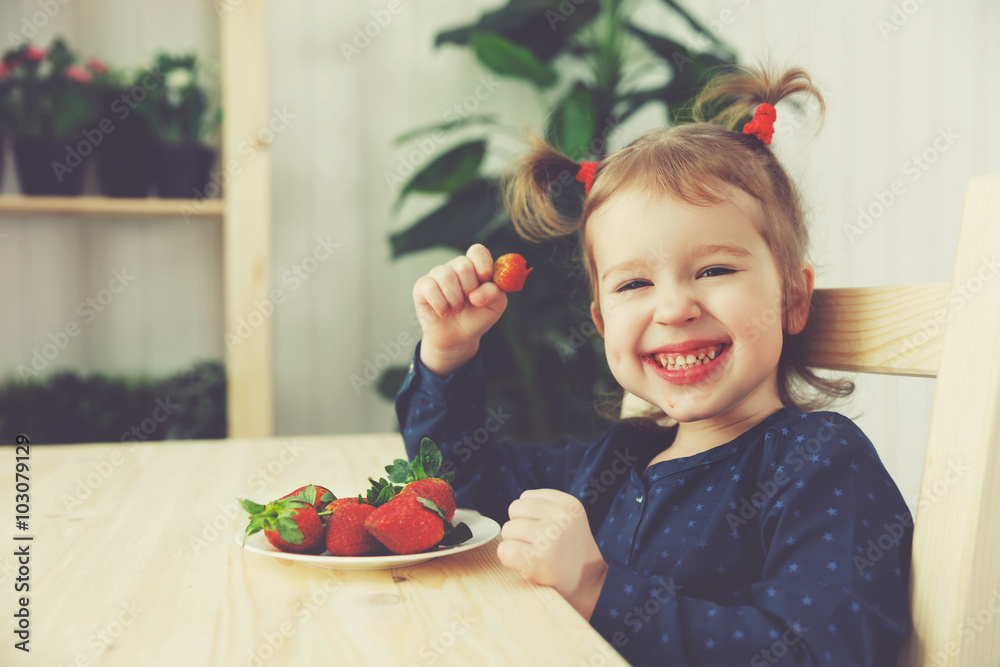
(289, 531)
(381, 491)
(458, 534)
(548, 28)
(431, 457)
(430, 505)
(308, 494)
(400, 471)
(326, 498)
(418, 467)
(250, 506)
(675, 53)
(449, 172)
(448, 477)
(694, 23)
(505, 57)
(454, 224)
(571, 125)
(447, 126)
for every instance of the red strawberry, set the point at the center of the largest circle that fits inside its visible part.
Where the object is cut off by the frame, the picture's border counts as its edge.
(423, 477)
(289, 524)
(406, 524)
(345, 529)
(435, 490)
(510, 271)
(319, 497)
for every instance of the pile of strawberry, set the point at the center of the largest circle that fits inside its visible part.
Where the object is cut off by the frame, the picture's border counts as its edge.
(406, 519)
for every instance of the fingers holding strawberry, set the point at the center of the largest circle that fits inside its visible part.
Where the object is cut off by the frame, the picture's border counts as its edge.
(456, 304)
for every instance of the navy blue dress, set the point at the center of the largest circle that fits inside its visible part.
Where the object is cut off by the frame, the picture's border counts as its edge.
(789, 545)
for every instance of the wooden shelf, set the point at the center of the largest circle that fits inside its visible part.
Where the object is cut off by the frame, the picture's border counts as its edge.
(87, 205)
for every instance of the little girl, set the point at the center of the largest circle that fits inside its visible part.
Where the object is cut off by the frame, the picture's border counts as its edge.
(735, 525)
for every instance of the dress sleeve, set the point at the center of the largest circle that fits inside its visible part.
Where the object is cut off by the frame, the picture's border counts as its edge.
(837, 539)
(490, 473)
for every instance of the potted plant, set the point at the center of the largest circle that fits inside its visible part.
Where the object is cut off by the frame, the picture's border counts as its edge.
(177, 111)
(586, 61)
(50, 101)
(126, 154)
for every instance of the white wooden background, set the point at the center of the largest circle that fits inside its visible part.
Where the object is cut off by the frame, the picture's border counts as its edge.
(894, 81)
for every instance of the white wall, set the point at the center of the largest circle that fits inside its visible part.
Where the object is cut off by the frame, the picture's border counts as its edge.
(889, 92)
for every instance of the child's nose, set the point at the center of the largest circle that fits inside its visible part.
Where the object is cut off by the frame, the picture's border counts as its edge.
(676, 306)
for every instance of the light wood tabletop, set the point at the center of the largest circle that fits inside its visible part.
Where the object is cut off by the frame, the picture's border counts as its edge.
(135, 561)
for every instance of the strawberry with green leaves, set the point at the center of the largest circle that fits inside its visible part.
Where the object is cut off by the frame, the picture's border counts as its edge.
(421, 478)
(290, 524)
(407, 524)
(346, 534)
(314, 494)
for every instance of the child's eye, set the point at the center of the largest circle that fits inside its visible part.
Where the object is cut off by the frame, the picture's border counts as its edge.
(631, 285)
(724, 271)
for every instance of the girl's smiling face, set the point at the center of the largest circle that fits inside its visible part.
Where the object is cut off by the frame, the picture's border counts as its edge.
(673, 277)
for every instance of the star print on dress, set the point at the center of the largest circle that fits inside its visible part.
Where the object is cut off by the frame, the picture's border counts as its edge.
(775, 536)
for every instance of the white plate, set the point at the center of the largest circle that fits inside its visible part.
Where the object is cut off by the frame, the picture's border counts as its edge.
(483, 529)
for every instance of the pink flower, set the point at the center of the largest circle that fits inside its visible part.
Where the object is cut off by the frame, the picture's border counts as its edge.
(35, 53)
(77, 73)
(96, 66)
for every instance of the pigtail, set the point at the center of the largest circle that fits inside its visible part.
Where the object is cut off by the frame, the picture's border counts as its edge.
(542, 195)
(732, 95)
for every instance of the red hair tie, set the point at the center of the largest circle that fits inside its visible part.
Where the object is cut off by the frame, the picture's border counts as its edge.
(762, 125)
(586, 175)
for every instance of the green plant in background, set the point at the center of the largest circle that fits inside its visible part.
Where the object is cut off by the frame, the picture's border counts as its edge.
(46, 93)
(68, 408)
(544, 360)
(178, 107)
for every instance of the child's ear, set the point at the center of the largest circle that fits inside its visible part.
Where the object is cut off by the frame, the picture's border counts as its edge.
(800, 298)
(595, 314)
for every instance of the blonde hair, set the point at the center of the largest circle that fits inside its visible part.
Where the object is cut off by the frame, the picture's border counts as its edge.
(701, 163)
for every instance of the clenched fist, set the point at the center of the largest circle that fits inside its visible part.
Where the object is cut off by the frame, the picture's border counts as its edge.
(548, 541)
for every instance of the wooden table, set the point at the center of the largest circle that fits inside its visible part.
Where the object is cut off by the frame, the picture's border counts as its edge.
(134, 561)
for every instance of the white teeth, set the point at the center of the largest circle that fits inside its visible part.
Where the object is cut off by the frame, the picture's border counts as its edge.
(694, 358)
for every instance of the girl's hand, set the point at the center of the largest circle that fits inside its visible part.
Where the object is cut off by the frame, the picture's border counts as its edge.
(456, 304)
(548, 541)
